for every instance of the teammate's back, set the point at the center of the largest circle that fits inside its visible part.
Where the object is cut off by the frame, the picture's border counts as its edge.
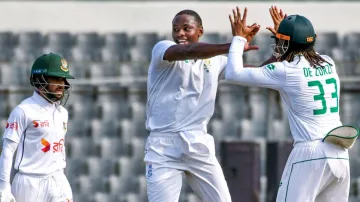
(311, 98)
(316, 170)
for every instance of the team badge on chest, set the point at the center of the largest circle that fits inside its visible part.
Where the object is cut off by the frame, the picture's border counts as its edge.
(207, 64)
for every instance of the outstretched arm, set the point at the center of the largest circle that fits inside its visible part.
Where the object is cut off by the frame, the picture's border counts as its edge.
(270, 76)
(199, 51)
(195, 51)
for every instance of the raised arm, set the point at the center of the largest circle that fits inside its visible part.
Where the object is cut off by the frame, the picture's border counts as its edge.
(200, 51)
(271, 76)
(195, 51)
(277, 16)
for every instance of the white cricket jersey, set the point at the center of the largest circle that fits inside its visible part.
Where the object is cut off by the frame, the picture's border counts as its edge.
(181, 94)
(39, 127)
(310, 95)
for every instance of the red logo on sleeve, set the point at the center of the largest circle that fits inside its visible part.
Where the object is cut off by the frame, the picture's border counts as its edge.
(13, 125)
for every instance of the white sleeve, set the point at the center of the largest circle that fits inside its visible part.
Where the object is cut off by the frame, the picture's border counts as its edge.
(270, 76)
(6, 160)
(157, 55)
(16, 125)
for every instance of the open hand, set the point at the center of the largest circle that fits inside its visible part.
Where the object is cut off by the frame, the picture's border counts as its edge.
(239, 27)
(249, 47)
(254, 32)
(277, 16)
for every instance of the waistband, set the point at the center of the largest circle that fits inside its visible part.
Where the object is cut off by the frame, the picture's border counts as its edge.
(172, 134)
(308, 143)
(42, 175)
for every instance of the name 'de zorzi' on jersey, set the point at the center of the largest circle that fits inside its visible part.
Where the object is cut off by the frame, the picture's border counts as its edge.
(319, 71)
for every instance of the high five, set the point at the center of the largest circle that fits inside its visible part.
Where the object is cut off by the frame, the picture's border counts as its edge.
(316, 170)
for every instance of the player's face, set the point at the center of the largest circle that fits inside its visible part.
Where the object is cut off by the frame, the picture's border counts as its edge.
(186, 30)
(56, 86)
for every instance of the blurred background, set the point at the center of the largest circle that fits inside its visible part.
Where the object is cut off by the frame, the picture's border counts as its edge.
(108, 46)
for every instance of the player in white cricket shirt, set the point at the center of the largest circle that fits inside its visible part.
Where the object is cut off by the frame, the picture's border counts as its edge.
(36, 128)
(309, 87)
(182, 83)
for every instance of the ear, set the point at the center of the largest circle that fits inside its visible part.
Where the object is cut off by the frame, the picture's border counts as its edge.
(201, 31)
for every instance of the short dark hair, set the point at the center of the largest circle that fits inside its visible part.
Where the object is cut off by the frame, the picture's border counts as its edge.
(191, 13)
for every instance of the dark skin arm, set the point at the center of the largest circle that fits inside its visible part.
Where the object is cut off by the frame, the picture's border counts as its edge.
(195, 51)
(204, 50)
(268, 61)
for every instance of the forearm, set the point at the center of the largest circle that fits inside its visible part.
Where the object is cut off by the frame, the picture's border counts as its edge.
(195, 51)
(268, 61)
(235, 59)
(6, 159)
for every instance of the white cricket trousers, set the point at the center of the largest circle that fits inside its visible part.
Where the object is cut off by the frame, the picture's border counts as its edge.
(316, 171)
(51, 188)
(169, 155)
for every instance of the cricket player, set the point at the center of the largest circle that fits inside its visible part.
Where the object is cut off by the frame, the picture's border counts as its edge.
(310, 89)
(36, 128)
(182, 82)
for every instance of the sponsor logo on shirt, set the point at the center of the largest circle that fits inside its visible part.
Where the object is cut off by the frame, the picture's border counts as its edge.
(46, 145)
(41, 124)
(56, 146)
(13, 125)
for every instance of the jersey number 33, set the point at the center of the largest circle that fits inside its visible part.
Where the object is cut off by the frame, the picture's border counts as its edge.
(320, 96)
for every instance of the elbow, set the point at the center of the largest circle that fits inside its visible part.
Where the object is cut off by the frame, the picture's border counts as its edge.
(230, 74)
(230, 78)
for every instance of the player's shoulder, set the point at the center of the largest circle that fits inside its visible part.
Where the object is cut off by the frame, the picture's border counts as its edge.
(63, 110)
(163, 44)
(28, 103)
(18, 111)
(328, 59)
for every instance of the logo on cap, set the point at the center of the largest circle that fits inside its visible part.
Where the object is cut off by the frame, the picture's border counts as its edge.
(310, 39)
(64, 66)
